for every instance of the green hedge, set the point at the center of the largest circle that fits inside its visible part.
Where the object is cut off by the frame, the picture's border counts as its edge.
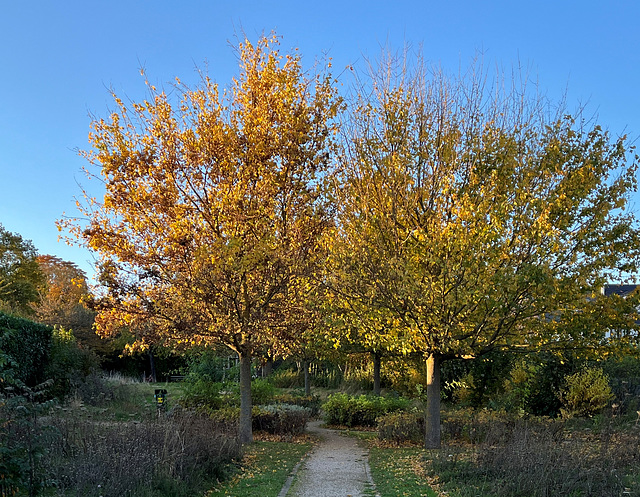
(363, 410)
(28, 344)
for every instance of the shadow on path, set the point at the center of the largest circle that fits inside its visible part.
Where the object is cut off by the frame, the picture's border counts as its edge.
(337, 467)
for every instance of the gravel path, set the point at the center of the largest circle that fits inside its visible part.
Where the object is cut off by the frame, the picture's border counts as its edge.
(337, 467)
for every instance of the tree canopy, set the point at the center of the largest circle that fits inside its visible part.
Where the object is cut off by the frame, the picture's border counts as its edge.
(473, 220)
(20, 276)
(209, 227)
(62, 300)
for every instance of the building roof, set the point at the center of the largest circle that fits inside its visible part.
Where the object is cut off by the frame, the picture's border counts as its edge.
(622, 290)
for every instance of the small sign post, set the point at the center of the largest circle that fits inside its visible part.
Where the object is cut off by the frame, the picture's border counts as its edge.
(161, 399)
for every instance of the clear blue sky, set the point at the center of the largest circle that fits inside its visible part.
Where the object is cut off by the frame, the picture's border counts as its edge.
(57, 60)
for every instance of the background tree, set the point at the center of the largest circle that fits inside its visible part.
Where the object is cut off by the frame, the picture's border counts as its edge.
(20, 276)
(63, 298)
(208, 229)
(474, 219)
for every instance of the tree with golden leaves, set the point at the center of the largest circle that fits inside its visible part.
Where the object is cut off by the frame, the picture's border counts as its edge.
(475, 220)
(64, 296)
(208, 231)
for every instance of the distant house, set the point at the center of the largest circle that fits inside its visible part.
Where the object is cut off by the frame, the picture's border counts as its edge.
(622, 290)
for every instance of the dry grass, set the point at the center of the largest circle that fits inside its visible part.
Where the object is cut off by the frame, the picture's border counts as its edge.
(538, 458)
(93, 458)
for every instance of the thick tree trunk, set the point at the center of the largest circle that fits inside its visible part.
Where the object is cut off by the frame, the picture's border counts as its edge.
(307, 380)
(432, 414)
(376, 373)
(245, 433)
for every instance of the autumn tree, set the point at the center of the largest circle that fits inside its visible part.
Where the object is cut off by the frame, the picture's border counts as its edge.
(20, 276)
(63, 298)
(473, 219)
(208, 229)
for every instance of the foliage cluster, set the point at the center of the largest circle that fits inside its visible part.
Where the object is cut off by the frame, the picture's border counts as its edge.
(287, 378)
(28, 344)
(24, 441)
(311, 402)
(276, 419)
(69, 365)
(540, 384)
(363, 410)
(199, 392)
(21, 278)
(401, 427)
(624, 379)
(210, 365)
(281, 419)
(587, 393)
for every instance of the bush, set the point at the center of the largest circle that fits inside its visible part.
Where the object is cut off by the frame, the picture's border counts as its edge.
(363, 410)
(24, 437)
(401, 427)
(286, 378)
(587, 393)
(311, 402)
(201, 394)
(28, 344)
(262, 391)
(208, 365)
(281, 419)
(69, 365)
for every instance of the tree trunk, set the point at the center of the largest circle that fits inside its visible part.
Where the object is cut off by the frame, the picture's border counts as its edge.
(376, 373)
(154, 376)
(432, 414)
(245, 433)
(307, 382)
(267, 368)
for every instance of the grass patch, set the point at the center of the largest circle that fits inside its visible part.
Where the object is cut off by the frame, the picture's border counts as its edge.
(264, 470)
(395, 471)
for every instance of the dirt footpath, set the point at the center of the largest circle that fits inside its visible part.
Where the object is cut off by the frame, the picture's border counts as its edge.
(337, 467)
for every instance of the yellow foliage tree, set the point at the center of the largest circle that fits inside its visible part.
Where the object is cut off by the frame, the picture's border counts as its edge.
(63, 298)
(208, 230)
(473, 220)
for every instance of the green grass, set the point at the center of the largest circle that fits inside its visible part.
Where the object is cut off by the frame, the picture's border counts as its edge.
(264, 471)
(393, 472)
(393, 469)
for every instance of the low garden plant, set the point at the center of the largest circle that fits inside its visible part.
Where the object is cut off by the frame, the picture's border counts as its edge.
(363, 410)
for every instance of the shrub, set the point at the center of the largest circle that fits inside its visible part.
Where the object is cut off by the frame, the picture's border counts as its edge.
(201, 394)
(262, 391)
(286, 378)
(69, 365)
(401, 427)
(24, 436)
(363, 410)
(311, 402)
(587, 393)
(281, 419)
(28, 344)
